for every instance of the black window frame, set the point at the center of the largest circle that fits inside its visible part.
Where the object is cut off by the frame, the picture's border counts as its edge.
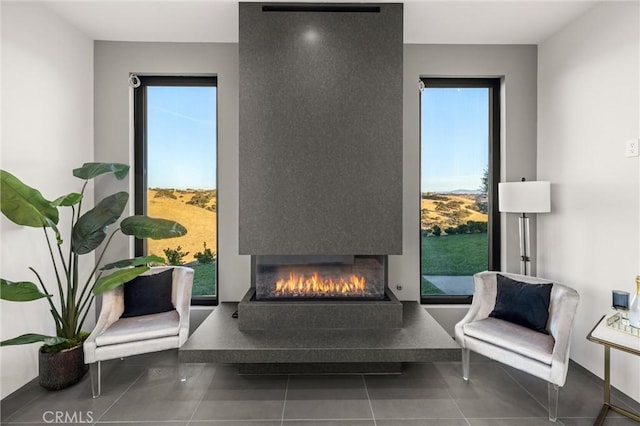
(140, 154)
(493, 226)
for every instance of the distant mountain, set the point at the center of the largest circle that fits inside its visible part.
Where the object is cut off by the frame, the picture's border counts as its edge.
(463, 191)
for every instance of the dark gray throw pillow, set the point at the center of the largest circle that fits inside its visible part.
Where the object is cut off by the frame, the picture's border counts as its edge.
(522, 303)
(148, 294)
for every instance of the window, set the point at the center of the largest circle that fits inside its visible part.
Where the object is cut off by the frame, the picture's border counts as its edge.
(176, 172)
(459, 171)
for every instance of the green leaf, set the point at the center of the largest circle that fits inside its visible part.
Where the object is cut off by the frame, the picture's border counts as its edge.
(24, 205)
(67, 200)
(138, 261)
(53, 226)
(23, 291)
(149, 227)
(91, 170)
(117, 278)
(89, 231)
(25, 339)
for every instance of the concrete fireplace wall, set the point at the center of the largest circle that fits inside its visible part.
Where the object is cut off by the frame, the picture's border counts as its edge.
(320, 131)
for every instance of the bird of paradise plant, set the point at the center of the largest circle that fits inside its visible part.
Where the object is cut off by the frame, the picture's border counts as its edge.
(26, 206)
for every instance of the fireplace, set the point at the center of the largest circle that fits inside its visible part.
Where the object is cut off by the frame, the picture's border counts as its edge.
(319, 292)
(303, 277)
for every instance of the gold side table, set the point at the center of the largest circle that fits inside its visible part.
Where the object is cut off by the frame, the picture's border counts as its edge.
(612, 338)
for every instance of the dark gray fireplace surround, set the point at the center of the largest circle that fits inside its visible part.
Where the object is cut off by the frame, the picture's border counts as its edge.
(320, 129)
(320, 177)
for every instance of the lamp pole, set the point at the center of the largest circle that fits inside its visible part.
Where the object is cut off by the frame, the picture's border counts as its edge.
(525, 247)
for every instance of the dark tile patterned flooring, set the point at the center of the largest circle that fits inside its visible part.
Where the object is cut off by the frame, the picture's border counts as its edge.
(146, 390)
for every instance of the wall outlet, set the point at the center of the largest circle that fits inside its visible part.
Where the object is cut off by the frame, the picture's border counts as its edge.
(631, 147)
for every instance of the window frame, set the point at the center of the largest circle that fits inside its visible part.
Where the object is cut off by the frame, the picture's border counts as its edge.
(140, 155)
(493, 225)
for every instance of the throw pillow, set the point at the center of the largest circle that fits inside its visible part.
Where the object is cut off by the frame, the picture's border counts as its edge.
(522, 303)
(148, 294)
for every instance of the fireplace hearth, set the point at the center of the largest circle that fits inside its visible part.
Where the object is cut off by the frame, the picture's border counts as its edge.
(319, 277)
(306, 313)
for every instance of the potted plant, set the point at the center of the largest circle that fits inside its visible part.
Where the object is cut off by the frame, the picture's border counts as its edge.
(61, 358)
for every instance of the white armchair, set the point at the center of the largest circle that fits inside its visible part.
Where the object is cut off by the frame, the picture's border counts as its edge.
(542, 355)
(115, 337)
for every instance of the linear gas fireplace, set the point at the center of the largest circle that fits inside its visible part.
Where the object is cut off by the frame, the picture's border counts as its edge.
(319, 277)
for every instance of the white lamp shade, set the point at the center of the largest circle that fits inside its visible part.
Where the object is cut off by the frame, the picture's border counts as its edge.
(524, 197)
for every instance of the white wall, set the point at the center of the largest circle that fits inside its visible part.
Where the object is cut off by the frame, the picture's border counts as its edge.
(588, 105)
(517, 66)
(47, 130)
(113, 142)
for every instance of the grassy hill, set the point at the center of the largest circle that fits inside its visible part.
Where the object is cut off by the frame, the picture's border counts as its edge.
(449, 210)
(200, 220)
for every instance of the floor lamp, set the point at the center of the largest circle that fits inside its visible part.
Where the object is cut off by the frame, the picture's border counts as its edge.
(524, 197)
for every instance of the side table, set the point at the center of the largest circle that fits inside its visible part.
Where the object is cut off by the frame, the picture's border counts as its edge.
(625, 342)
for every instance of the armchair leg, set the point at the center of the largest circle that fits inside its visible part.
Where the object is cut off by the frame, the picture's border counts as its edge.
(94, 371)
(182, 370)
(553, 402)
(465, 364)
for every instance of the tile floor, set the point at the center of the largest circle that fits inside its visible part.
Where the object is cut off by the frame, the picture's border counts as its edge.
(146, 390)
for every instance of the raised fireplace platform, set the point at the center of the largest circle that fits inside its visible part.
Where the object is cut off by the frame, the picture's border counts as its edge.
(219, 340)
(296, 314)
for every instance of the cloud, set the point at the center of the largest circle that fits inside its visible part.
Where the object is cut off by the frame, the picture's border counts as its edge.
(209, 123)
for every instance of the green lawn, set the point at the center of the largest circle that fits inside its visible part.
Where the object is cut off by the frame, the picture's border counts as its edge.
(463, 254)
(204, 279)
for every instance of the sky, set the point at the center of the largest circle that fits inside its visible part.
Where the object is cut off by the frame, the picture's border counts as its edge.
(181, 137)
(454, 138)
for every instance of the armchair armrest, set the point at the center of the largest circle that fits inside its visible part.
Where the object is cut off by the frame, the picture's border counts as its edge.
(562, 312)
(484, 300)
(484, 296)
(112, 308)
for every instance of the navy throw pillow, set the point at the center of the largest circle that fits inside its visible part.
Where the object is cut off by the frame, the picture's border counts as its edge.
(148, 294)
(522, 303)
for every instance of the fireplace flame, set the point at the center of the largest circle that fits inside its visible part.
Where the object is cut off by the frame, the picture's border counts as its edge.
(303, 285)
